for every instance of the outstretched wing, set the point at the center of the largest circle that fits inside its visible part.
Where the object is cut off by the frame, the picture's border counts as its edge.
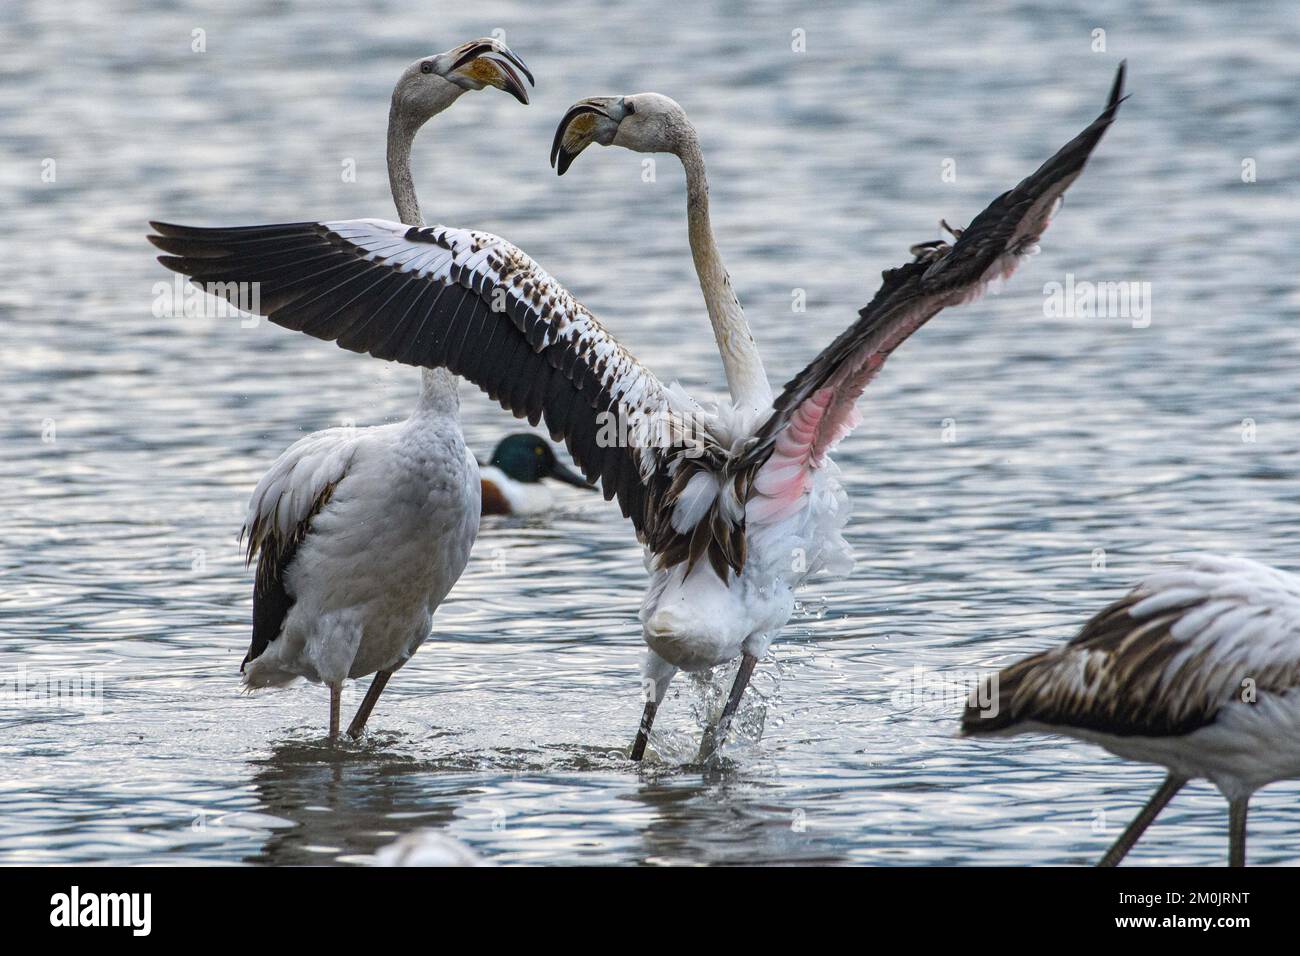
(472, 302)
(818, 406)
(280, 513)
(1162, 661)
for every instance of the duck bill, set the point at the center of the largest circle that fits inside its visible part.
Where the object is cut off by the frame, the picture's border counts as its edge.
(560, 473)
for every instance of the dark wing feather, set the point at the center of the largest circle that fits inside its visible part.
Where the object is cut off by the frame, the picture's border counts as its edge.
(817, 407)
(477, 305)
(275, 552)
(285, 503)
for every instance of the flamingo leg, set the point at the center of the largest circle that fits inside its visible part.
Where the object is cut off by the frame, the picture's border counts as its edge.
(336, 698)
(1143, 820)
(368, 703)
(656, 676)
(1237, 831)
(643, 732)
(716, 734)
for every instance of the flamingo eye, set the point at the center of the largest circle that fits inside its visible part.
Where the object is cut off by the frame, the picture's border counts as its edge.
(426, 67)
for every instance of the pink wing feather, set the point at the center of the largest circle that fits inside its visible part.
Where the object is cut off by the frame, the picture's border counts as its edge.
(818, 407)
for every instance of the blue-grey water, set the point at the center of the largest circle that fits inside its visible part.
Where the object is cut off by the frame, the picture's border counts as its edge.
(1014, 471)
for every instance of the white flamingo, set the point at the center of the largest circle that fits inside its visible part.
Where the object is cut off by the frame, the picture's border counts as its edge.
(360, 533)
(1197, 669)
(736, 503)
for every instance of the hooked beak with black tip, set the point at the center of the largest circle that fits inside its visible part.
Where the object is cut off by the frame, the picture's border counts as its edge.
(489, 62)
(593, 120)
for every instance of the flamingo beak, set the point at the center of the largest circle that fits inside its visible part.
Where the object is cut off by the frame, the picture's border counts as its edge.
(489, 62)
(588, 121)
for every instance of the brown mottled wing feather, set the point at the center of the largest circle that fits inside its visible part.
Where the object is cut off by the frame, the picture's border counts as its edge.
(1106, 679)
(1128, 673)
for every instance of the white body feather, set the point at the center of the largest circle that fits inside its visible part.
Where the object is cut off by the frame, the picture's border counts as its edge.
(427, 847)
(381, 555)
(695, 621)
(1250, 745)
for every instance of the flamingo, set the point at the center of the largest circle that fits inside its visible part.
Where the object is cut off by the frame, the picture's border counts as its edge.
(359, 534)
(653, 123)
(736, 502)
(1197, 669)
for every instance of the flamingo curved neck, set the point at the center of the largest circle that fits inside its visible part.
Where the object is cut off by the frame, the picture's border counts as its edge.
(439, 394)
(401, 134)
(746, 378)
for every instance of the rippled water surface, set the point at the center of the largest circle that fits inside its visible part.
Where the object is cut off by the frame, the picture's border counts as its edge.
(131, 442)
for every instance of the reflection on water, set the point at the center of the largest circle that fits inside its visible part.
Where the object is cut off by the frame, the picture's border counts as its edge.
(1013, 471)
(339, 801)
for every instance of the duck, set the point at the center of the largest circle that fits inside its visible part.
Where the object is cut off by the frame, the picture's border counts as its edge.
(512, 479)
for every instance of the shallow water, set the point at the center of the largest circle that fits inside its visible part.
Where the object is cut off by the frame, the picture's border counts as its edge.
(132, 442)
